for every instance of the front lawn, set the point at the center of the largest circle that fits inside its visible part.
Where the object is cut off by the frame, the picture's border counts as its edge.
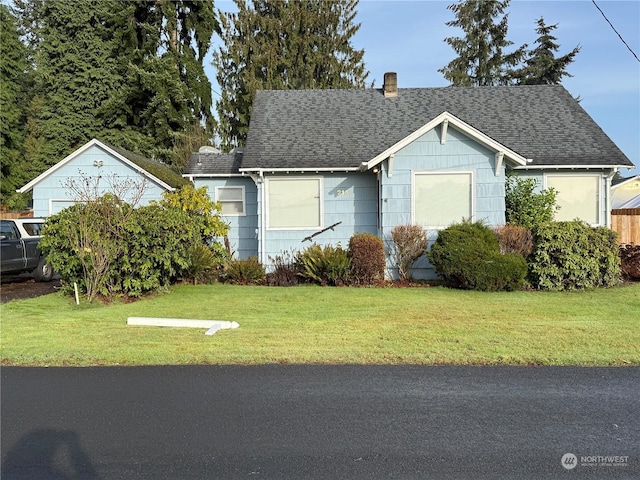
(310, 324)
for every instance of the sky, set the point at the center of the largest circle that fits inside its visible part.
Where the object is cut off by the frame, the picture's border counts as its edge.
(407, 37)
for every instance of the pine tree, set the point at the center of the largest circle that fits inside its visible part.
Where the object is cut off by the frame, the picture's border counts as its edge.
(281, 44)
(541, 65)
(14, 84)
(481, 59)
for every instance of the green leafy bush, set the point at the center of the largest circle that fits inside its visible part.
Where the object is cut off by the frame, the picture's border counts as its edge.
(204, 264)
(326, 265)
(525, 206)
(572, 256)
(247, 271)
(366, 257)
(109, 248)
(468, 256)
(409, 242)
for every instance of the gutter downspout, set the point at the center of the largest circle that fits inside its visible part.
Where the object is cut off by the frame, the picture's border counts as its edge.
(608, 195)
(262, 248)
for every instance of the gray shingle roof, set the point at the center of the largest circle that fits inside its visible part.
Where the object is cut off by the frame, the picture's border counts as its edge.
(214, 163)
(343, 128)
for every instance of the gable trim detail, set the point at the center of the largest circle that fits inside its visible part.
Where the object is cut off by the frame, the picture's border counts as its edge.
(94, 142)
(451, 120)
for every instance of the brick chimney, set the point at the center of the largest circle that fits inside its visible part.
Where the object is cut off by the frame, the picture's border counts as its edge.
(390, 87)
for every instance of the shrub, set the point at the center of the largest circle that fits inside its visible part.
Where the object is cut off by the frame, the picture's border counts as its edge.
(573, 255)
(244, 271)
(515, 239)
(525, 206)
(366, 256)
(284, 273)
(630, 260)
(409, 244)
(204, 265)
(468, 256)
(326, 265)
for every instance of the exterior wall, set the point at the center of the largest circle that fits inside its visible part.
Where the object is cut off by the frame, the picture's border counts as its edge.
(349, 198)
(243, 234)
(51, 195)
(459, 153)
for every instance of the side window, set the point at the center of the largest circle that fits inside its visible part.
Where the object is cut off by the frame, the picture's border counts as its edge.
(8, 230)
(578, 196)
(231, 200)
(33, 229)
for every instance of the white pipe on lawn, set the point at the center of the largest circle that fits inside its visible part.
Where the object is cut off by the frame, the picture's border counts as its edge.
(212, 325)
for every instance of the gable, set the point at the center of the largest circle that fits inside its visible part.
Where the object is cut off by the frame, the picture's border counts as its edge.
(162, 175)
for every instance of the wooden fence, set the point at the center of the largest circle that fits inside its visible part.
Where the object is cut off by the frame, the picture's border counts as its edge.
(626, 221)
(4, 213)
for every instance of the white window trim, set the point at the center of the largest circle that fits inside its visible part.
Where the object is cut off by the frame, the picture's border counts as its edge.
(293, 179)
(244, 204)
(67, 201)
(441, 172)
(599, 176)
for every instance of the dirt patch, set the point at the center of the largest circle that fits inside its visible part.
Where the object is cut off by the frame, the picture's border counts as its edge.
(23, 286)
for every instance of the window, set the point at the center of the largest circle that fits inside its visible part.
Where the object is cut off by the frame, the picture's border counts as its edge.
(294, 203)
(231, 200)
(578, 196)
(440, 199)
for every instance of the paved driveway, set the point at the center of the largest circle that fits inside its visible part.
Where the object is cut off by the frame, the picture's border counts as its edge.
(333, 422)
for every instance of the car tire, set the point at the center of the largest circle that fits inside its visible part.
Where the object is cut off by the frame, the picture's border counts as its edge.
(43, 272)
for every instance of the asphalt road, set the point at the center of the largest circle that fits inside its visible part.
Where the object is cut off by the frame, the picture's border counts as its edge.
(329, 422)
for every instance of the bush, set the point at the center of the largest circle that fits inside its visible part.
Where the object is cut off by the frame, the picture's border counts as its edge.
(204, 264)
(284, 273)
(573, 255)
(468, 256)
(515, 239)
(366, 256)
(525, 206)
(630, 260)
(326, 265)
(108, 248)
(244, 271)
(409, 244)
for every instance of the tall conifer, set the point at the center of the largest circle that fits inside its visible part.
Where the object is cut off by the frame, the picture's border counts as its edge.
(481, 59)
(281, 44)
(542, 67)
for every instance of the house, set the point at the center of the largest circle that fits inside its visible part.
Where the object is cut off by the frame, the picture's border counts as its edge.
(95, 169)
(325, 164)
(625, 193)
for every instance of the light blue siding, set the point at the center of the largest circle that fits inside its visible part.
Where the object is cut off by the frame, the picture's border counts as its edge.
(427, 154)
(243, 232)
(52, 193)
(348, 198)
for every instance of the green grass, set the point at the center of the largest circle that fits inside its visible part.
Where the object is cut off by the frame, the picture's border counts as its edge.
(331, 325)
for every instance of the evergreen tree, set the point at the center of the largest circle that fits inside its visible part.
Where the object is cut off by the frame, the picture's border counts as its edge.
(129, 73)
(541, 65)
(166, 91)
(481, 59)
(14, 78)
(281, 44)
